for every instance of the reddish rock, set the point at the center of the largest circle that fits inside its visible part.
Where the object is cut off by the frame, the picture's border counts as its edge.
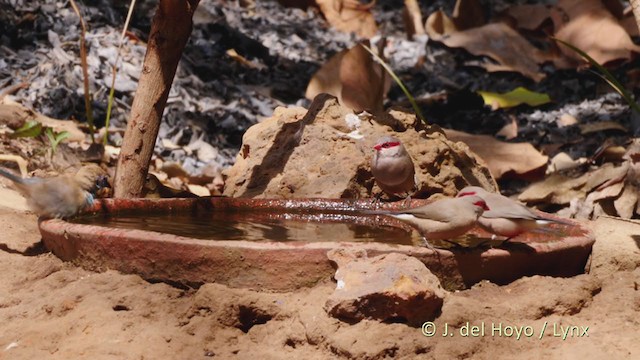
(390, 287)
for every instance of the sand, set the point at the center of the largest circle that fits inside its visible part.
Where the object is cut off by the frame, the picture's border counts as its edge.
(50, 309)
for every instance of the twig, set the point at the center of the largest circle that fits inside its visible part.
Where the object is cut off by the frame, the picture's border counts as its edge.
(115, 70)
(85, 70)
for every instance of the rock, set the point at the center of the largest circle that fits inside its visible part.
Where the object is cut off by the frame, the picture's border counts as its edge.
(326, 152)
(389, 287)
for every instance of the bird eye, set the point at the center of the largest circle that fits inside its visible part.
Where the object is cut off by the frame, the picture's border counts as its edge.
(385, 145)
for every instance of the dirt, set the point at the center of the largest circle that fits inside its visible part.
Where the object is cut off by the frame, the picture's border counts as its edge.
(51, 309)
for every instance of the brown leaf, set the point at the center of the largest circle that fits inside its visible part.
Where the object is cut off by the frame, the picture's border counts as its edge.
(566, 120)
(503, 44)
(515, 159)
(363, 81)
(327, 78)
(555, 189)
(354, 78)
(510, 130)
(439, 24)
(590, 26)
(468, 14)
(601, 126)
(608, 192)
(412, 17)
(626, 204)
(350, 16)
(528, 17)
(628, 22)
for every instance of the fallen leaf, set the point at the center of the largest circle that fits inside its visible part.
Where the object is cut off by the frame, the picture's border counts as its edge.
(590, 26)
(439, 24)
(354, 78)
(555, 189)
(350, 16)
(510, 130)
(562, 161)
(503, 44)
(364, 82)
(412, 17)
(608, 192)
(626, 204)
(629, 24)
(502, 158)
(566, 120)
(515, 97)
(528, 16)
(601, 126)
(198, 190)
(173, 169)
(468, 14)
(606, 175)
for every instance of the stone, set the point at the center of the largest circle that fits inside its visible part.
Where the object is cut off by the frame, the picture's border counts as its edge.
(325, 152)
(391, 287)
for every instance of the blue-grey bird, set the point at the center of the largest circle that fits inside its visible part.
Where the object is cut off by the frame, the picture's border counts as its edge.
(60, 196)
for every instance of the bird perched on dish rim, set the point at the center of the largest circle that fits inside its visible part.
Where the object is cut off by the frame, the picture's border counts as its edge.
(442, 219)
(507, 217)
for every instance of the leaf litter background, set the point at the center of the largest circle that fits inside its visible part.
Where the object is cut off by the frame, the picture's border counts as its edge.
(246, 58)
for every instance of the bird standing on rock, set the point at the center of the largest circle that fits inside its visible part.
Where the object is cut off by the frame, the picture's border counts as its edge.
(442, 219)
(392, 167)
(507, 217)
(61, 196)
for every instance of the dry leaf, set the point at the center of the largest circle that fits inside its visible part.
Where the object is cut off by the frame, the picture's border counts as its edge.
(629, 24)
(327, 78)
(412, 17)
(468, 14)
(608, 192)
(601, 126)
(528, 16)
(198, 190)
(510, 130)
(606, 175)
(562, 161)
(566, 120)
(439, 24)
(626, 204)
(502, 158)
(590, 26)
(555, 189)
(354, 78)
(503, 44)
(350, 16)
(363, 81)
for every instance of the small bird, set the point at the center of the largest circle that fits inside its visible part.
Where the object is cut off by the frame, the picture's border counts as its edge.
(61, 196)
(392, 167)
(507, 217)
(442, 219)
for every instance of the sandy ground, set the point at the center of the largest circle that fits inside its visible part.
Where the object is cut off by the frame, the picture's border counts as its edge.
(52, 310)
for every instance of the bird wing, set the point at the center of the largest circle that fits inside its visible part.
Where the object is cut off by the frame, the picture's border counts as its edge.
(442, 211)
(500, 207)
